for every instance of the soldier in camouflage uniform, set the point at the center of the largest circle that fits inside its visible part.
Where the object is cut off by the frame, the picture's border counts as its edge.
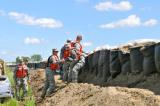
(52, 66)
(21, 77)
(78, 62)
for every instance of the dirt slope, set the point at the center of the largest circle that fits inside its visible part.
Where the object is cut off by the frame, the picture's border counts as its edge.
(90, 95)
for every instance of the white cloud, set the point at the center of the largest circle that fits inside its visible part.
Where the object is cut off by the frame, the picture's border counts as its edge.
(32, 40)
(130, 21)
(108, 5)
(29, 20)
(104, 47)
(151, 22)
(86, 44)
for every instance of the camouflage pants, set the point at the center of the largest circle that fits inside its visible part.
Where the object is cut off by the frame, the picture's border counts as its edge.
(75, 67)
(66, 67)
(21, 83)
(70, 73)
(49, 85)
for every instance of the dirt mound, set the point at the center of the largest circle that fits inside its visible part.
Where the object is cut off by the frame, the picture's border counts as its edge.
(90, 95)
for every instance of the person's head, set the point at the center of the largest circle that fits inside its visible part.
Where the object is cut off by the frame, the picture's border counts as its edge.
(54, 51)
(69, 41)
(21, 60)
(67, 47)
(79, 38)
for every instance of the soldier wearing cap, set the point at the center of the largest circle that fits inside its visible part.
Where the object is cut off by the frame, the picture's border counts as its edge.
(21, 77)
(52, 65)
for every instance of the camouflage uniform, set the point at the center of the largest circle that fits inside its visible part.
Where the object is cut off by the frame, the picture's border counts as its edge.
(49, 85)
(68, 60)
(66, 69)
(76, 65)
(21, 83)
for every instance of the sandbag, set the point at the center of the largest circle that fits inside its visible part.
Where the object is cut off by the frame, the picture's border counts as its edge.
(115, 66)
(136, 60)
(125, 62)
(157, 56)
(95, 58)
(101, 62)
(90, 58)
(95, 62)
(106, 73)
(148, 61)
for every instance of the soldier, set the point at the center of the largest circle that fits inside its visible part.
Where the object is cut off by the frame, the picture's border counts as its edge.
(52, 66)
(21, 77)
(64, 54)
(79, 61)
(67, 56)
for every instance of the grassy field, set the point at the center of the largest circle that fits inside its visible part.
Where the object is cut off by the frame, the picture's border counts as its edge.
(29, 100)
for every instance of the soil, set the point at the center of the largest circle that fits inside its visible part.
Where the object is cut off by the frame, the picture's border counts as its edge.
(83, 94)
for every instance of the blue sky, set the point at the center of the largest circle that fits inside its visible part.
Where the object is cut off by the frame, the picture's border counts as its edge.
(36, 26)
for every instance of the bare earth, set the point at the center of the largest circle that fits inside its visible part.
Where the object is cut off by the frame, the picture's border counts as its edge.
(90, 95)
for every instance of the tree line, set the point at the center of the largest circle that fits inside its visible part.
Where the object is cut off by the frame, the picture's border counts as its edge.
(33, 58)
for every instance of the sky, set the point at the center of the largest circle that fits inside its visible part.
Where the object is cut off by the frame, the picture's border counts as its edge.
(30, 27)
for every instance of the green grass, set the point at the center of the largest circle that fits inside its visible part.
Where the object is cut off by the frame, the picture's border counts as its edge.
(11, 102)
(29, 101)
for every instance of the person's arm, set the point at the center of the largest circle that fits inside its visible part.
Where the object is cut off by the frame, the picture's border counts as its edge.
(77, 48)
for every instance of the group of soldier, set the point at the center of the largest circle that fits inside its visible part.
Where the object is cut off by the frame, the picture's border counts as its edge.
(72, 58)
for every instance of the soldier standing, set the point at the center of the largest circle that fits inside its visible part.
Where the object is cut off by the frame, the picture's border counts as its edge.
(21, 77)
(52, 66)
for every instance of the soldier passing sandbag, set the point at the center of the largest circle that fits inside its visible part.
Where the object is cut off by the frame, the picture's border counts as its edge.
(79, 61)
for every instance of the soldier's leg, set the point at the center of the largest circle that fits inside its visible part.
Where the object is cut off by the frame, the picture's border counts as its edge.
(17, 89)
(46, 85)
(75, 70)
(65, 70)
(61, 72)
(71, 65)
(24, 87)
(51, 83)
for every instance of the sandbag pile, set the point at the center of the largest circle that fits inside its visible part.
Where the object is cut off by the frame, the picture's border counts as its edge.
(109, 63)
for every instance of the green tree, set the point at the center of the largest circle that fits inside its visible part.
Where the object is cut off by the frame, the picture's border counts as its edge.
(17, 59)
(25, 59)
(36, 57)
